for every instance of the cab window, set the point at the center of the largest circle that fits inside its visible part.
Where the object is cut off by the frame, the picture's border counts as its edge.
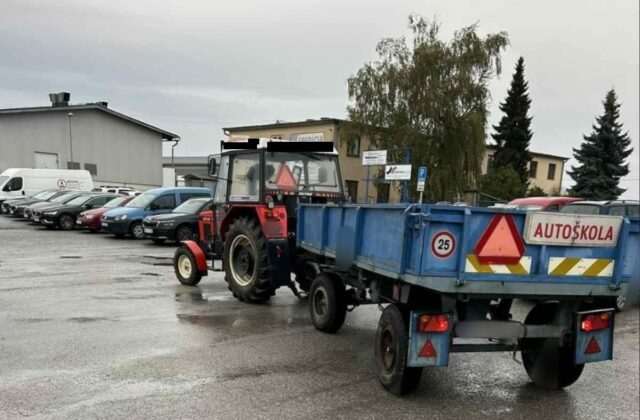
(164, 202)
(220, 196)
(633, 210)
(245, 180)
(616, 210)
(14, 184)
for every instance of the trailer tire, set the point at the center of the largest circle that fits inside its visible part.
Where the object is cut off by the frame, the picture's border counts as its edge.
(186, 267)
(327, 303)
(391, 349)
(548, 363)
(245, 250)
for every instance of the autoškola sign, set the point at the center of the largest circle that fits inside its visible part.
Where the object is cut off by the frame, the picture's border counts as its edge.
(572, 229)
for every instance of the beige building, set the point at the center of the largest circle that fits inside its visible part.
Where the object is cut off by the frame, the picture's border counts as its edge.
(546, 170)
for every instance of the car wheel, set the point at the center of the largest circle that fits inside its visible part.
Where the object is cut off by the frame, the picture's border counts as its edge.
(66, 222)
(184, 233)
(136, 230)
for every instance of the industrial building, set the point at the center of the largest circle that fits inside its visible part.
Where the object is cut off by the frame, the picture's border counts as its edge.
(545, 172)
(115, 148)
(190, 171)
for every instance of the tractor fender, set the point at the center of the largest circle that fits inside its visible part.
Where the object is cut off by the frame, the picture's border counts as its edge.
(273, 222)
(201, 258)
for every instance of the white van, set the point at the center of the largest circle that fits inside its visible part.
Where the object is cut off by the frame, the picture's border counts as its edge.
(19, 182)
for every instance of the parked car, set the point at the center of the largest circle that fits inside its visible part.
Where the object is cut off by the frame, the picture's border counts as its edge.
(613, 207)
(34, 211)
(541, 203)
(28, 210)
(179, 225)
(64, 215)
(127, 220)
(19, 182)
(5, 208)
(92, 219)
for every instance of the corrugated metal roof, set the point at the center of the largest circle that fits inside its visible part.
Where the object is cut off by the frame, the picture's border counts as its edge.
(166, 135)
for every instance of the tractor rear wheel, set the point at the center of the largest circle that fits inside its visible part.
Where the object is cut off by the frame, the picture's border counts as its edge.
(245, 261)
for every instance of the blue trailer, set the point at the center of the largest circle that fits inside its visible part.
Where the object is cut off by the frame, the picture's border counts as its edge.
(445, 278)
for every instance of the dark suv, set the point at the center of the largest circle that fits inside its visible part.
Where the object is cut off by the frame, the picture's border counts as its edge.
(179, 225)
(613, 208)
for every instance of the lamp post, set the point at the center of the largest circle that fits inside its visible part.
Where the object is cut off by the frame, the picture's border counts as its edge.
(71, 139)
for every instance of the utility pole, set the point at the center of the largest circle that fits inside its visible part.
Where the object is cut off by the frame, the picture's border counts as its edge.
(71, 139)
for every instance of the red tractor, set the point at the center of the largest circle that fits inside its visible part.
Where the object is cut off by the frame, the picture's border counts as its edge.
(252, 226)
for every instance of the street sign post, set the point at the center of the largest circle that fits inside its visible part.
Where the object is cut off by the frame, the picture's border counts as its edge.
(422, 179)
(370, 158)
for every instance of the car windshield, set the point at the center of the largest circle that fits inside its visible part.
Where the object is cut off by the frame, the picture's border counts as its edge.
(580, 209)
(79, 200)
(116, 202)
(141, 201)
(43, 195)
(189, 207)
(302, 172)
(62, 197)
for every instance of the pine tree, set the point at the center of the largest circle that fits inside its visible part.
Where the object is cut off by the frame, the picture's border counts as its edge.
(513, 134)
(602, 156)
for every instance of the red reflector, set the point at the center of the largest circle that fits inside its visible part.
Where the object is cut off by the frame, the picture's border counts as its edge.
(592, 347)
(433, 323)
(595, 322)
(428, 350)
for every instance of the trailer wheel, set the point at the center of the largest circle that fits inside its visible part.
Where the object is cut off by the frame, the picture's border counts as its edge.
(548, 361)
(185, 266)
(327, 303)
(245, 254)
(392, 348)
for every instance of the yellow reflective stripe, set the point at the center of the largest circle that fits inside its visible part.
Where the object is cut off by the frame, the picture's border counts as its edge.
(480, 268)
(596, 267)
(517, 269)
(564, 267)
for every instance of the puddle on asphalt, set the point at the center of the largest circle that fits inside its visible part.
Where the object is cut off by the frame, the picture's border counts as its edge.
(70, 256)
(150, 274)
(85, 319)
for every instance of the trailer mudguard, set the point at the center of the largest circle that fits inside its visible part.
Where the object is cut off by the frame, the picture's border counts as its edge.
(428, 348)
(201, 259)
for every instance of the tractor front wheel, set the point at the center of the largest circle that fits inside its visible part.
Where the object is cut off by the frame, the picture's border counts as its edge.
(245, 261)
(185, 266)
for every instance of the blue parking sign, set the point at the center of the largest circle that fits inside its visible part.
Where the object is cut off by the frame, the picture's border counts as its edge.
(422, 178)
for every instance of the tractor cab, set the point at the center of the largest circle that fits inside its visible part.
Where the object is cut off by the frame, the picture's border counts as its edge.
(285, 177)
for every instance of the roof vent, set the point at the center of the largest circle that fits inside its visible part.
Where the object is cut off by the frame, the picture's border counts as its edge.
(60, 99)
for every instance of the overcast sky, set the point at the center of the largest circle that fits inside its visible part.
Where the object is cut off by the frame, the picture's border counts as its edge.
(193, 67)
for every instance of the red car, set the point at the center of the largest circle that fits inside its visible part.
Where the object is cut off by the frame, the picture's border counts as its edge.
(91, 219)
(541, 203)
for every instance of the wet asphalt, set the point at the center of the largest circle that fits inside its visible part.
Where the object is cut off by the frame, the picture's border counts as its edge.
(96, 327)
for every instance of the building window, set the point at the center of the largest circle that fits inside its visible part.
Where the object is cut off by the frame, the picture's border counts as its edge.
(552, 171)
(383, 193)
(533, 169)
(92, 168)
(73, 165)
(276, 136)
(353, 149)
(352, 190)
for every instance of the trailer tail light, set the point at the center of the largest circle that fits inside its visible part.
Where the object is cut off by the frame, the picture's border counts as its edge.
(433, 323)
(596, 322)
(428, 350)
(593, 347)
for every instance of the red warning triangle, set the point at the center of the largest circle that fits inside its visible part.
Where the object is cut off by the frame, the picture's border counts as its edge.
(500, 243)
(285, 179)
(428, 350)
(592, 347)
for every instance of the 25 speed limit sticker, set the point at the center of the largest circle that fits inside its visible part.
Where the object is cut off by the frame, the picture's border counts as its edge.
(443, 244)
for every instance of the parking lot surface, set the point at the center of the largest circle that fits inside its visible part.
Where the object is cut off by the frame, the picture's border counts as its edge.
(95, 327)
